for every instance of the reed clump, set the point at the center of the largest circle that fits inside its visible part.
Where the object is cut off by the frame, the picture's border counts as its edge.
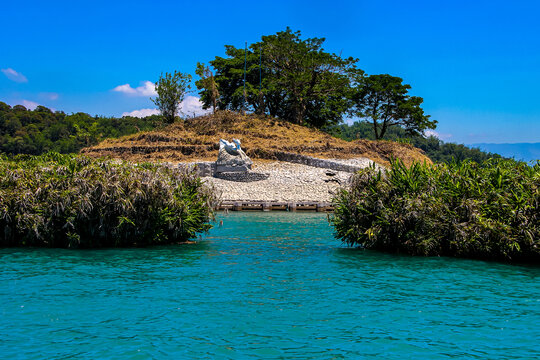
(487, 211)
(74, 201)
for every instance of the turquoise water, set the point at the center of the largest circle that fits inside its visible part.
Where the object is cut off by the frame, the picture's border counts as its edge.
(264, 285)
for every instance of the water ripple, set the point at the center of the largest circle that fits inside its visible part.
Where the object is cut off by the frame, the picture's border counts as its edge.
(264, 285)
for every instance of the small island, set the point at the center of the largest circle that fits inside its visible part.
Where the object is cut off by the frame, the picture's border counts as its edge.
(186, 180)
(281, 102)
(291, 163)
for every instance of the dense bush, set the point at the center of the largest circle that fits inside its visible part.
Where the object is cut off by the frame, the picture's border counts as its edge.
(488, 211)
(41, 130)
(71, 201)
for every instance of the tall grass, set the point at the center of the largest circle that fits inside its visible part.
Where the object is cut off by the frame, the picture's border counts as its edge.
(73, 201)
(488, 211)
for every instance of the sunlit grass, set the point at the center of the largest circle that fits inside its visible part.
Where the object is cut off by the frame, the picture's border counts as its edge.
(198, 138)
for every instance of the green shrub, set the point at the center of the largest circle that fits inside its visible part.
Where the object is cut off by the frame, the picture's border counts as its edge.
(56, 200)
(487, 211)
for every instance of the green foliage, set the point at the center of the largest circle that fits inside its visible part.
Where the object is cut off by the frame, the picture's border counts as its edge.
(228, 75)
(384, 99)
(487, 211)
(207, 83)
(300, 82)
(171, 89)
(316, 83)
(437, 150)
(34, 132)
(56, 200)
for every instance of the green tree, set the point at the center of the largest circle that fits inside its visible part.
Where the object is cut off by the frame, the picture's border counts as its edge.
(208, 85)
(228, 76)
(286, 76)
(4, 107)
(171, 89)
(384, 99)
(316, 83)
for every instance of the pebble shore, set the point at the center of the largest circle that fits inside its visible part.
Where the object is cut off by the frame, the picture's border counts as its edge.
(284, 182)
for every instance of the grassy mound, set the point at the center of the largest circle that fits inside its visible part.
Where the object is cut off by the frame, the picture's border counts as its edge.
(57, 200)
(488, 211)
(197, 139)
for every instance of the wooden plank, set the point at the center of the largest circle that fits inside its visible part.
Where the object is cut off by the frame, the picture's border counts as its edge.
(275, 206)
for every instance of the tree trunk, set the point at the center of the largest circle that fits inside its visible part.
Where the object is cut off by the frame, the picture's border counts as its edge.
(383, 130)
(299, 113)
(375, 130)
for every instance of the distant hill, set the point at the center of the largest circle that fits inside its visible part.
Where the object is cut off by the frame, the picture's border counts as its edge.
(37, 131)
(519, 151)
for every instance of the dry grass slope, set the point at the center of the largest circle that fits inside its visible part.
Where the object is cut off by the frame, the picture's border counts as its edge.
(197, 140)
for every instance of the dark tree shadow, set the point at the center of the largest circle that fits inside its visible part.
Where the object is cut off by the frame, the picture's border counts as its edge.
(242, 176)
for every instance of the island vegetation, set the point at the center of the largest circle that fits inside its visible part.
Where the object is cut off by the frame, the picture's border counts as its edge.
(284, 94)
(73, 201)
(484, 211)
(295, 79)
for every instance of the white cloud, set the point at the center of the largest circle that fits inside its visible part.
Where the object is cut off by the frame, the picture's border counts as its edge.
(30, 105)
(192, 106)
(14, 75)
(141, 113)
(146, 89)
(440, 136)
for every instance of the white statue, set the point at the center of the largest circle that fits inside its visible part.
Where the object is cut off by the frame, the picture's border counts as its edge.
(232, 148)
(231, 158)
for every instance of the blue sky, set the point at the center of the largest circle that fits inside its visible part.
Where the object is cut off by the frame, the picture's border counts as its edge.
(475, 63)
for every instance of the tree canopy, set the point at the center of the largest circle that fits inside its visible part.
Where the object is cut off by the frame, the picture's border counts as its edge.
(295, 79)
(37, 131)
(384, 99)
(171, 89)
(287, 77)
(210, 94)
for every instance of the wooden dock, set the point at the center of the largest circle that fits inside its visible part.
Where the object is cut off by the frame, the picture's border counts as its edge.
(275, 206)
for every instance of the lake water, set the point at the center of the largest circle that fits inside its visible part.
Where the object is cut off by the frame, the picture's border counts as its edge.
(264, 285)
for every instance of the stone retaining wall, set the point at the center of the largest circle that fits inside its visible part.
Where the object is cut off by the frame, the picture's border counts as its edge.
(204, 168)
(208, 168)
(315, 162)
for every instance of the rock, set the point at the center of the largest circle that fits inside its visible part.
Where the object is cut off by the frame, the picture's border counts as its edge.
(231, 157)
